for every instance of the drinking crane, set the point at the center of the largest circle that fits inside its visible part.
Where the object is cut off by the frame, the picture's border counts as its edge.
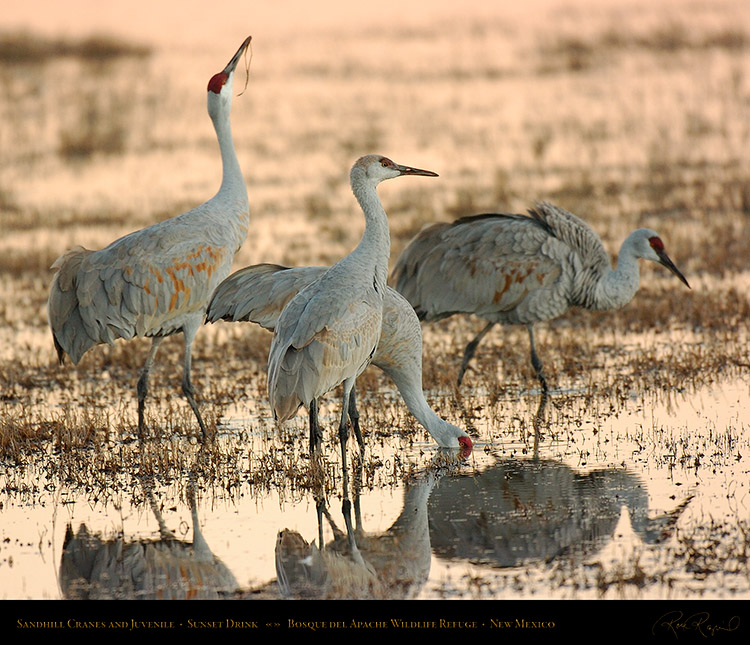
(259, 293)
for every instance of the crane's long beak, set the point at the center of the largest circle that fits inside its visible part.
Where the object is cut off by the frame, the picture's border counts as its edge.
(664, 260)
(408, 170)
(235, 59)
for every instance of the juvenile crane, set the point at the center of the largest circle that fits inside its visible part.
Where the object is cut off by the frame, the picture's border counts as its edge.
(328, 333)
(259, 293)
(157, 281)
(520, 269)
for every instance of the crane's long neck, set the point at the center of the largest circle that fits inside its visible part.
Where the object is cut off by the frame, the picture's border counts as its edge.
(412, 526)
(231, 177)
(410, 388)
(374, 248)
(617, 287)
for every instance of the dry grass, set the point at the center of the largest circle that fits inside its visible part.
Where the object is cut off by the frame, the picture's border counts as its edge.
(22, 47)
(639, 125)
(683, 172)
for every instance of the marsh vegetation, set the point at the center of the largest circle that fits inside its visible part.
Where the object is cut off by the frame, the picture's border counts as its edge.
(627, 116)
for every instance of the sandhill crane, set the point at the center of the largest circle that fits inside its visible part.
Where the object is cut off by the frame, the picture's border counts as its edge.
(157, 281)
(520, 269)
(328, 333)
(259, 293)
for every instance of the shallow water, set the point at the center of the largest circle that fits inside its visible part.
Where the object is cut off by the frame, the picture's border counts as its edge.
(638, 488)
(602, 510)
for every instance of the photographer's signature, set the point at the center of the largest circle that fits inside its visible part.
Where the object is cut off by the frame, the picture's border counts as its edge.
(700, 622)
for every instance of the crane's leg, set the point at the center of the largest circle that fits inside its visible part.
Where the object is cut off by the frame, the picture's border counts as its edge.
(147, 482)
(537, 423)
(536, 362)
(471, 348)
(354, 419)
(316, 434)
(142, 387)
(347, 504)
(320, 508)
(344, 429)
(357, 488)
(187, 387)
(317, 473)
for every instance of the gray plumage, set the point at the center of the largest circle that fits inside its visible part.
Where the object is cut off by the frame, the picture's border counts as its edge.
(259, 293)
(519, 269)
(329, 331)
(157, 281)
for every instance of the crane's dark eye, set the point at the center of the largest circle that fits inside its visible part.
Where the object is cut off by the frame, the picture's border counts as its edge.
(386, 163)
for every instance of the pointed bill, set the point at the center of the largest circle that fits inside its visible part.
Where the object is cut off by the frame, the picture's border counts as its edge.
(408, 170)
(235, 59)
(665, 260)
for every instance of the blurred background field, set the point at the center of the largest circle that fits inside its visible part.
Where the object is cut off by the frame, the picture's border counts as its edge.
(627, 114)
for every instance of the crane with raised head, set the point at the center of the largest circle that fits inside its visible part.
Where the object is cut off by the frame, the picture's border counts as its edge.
(157, 281)
(259, 293)
(520, 269)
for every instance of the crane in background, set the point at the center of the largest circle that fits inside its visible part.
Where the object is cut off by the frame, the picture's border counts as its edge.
(520, 269)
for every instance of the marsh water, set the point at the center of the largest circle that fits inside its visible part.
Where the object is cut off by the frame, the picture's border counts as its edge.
(613, 505)
(637, 484)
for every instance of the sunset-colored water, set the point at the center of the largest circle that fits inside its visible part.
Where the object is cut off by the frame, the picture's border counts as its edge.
(626, 115)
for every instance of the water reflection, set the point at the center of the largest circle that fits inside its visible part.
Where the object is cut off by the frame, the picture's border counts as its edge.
(394, 564)
(93, 567)
(514, 512)
(518, 511)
